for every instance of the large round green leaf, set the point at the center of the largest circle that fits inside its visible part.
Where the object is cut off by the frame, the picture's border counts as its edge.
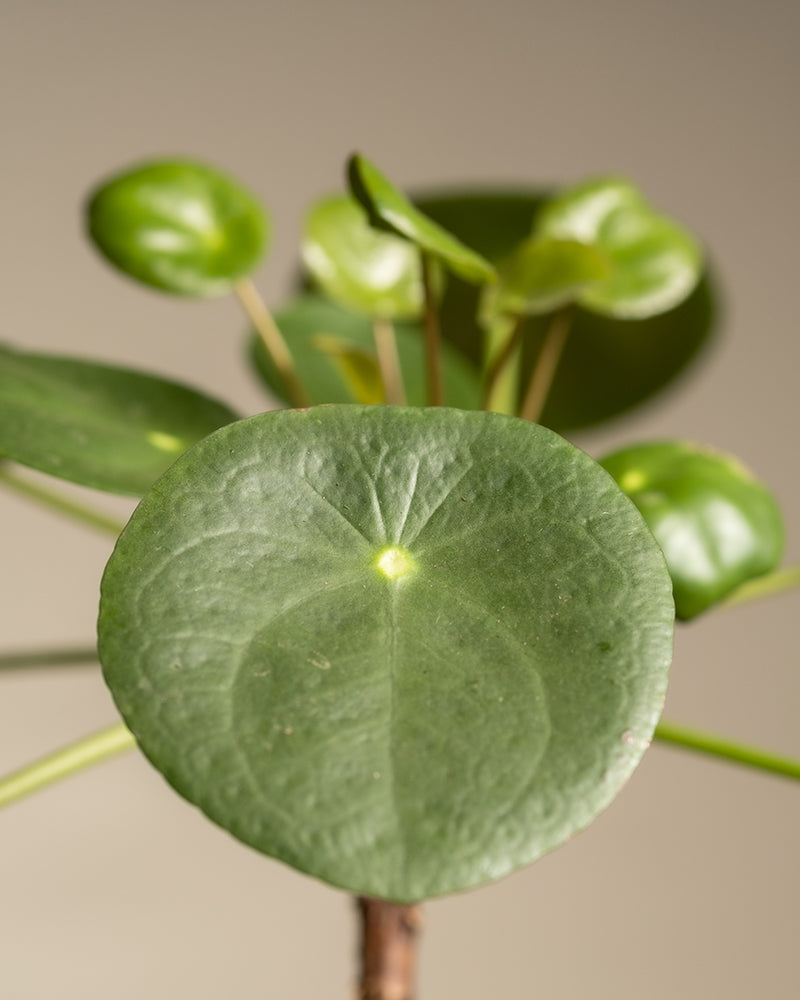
(110, 428)
(609, 365)
(405, 650)
(388, 208)
(320, 334)
(180, 226)
(655, 263)
(359, 266)
(719, 527)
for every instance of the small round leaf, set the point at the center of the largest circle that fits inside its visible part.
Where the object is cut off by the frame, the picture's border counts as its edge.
(405, 650)
(388, 208)
(655, 263)
(358, 266)
(109, 428)
(718, 526)
(179, 226)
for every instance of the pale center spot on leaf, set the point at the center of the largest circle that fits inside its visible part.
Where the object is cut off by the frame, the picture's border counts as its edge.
(394, 562)
(165, 442)
(633, 481)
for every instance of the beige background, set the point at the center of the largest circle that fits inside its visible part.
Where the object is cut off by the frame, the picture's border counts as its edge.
(687, 887)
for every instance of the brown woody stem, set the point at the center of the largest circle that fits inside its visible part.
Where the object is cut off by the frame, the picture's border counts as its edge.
(388, 949)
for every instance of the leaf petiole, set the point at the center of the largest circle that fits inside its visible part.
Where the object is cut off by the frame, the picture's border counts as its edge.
(778, 582)
(433, 347)
(62, 763)
(500, 387)
(717, 746)
(388, 361)
(58, 502)
(273, 341)
(544, 371)
(48, 658)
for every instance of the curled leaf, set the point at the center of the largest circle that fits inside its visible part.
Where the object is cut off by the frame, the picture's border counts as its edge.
(389, 209)
(358, 266)
(655, 263)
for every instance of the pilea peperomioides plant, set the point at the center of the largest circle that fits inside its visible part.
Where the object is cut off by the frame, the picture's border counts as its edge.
(401, 635)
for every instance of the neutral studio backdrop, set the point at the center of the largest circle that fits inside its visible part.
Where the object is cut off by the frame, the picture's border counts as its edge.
(112, 886)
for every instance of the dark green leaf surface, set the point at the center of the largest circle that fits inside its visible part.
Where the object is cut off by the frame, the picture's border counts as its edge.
(309, 322)
(179, 226)
(389, 208)
(110, 428)
(655, 263)
(718, 526)
(405, 650)
(609, 365)
(358, 266)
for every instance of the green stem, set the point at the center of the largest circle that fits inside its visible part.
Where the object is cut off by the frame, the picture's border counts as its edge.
(433, 348)
(544, 370)
(47, 658)
(716, 746)
(502, 374)
(778, 582)
(273, 341)
(388, 361)
(90, 750)
(55, 501)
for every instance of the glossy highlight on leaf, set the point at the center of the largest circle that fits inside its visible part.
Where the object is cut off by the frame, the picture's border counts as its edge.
(718, 526)
(358, 266)
(655, 263)
(405, 650)
(388, 208)
(110, 428)
(179, 226)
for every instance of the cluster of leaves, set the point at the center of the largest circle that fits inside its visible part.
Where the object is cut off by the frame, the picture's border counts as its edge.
(404, 647)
